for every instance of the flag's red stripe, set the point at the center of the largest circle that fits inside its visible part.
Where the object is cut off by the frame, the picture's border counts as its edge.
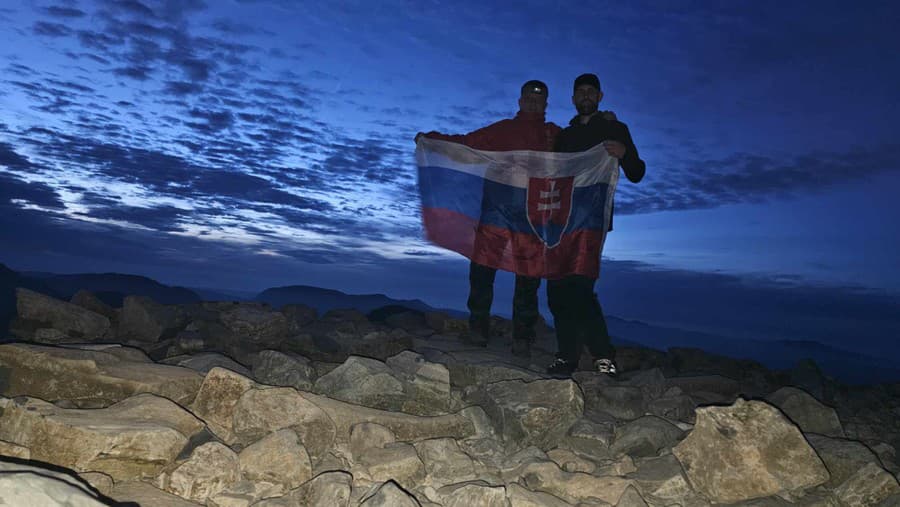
(577, 253)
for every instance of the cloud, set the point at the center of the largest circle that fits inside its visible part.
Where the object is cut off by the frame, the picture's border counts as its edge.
(51, 29)
(748, 178)
(14, 189)
(63, 12)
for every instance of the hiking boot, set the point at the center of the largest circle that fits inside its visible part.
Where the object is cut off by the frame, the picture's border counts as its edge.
(606, 366)
(561, 368)
(479, 330)
(521, 348)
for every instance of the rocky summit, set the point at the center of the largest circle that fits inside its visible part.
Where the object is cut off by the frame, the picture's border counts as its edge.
(224, 404)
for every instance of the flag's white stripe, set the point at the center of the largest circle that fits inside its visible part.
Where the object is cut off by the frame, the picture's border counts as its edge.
(514, 168)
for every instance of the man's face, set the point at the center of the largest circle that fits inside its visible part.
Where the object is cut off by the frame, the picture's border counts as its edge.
(586, 99)
(532, 102)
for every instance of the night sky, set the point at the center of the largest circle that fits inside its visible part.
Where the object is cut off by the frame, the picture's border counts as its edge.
(248, 144)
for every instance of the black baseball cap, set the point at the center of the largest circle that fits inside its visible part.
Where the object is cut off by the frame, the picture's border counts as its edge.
(587, 79)
(535, 86)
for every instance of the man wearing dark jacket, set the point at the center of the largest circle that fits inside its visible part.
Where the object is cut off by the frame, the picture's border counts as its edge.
(527, 131)
(577, 314)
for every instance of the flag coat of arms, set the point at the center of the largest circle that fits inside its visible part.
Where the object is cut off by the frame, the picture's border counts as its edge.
(539, 214)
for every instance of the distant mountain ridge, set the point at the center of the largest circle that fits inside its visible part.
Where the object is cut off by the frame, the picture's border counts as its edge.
(328, 299)
(847, 366)
(113, 287)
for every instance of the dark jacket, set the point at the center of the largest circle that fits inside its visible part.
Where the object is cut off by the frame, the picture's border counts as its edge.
(582, 137)
(527, 131)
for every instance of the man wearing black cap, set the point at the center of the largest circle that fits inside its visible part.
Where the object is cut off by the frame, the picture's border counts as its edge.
(526, 131)
(577, 314)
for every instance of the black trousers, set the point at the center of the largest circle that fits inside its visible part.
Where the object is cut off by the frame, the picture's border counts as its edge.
(578, 318)
(525, 299)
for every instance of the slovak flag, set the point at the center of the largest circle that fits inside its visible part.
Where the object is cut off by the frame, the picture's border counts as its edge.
(533, 213)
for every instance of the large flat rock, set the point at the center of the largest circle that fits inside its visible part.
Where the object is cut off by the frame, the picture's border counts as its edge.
(88, 377)
(133, 439)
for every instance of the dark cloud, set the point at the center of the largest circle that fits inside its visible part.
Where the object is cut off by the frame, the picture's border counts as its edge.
(748, 178)
(63, 12)
(141, 73)
(51, 29)
(159, 218)
(183, 88)
(13, 188)
(12, 160)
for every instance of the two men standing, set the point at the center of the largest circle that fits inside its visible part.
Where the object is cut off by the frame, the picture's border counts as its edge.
(577, 314)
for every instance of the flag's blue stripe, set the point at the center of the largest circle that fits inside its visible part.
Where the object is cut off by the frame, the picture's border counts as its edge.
(463, 193)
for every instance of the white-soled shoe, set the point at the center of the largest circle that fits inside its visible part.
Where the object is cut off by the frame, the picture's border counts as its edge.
(606, 366)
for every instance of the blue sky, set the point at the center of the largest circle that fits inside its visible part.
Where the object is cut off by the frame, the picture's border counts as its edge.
(248, 144)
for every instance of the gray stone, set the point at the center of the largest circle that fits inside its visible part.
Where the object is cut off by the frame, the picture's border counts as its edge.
(747, 450)
(604, 394)
(259, 412)
(95, 377)
(206, 361)
(216, 399)
(397, 461)
(87, 300)
(842, 457)
(282, 369)
(522, 497)
(29, 485)
(661, 481)
(466, 495)
(75, 324)
(278, 458)
(464, 374)
(807, 412)
(573, 487)
(426, 385)
(870, 485)
(146, 495)
(677, 408)
(365, 436)
(536, 413)
(645, 437)
(211, 468)
(445, 463)
(132, 439)
(390, 494)
(145, 320)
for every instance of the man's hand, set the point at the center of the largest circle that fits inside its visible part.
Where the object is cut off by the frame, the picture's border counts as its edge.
(609, 115)
(614, 148)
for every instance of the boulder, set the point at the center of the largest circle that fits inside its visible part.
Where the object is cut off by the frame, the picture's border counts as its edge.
(807, 412)
(747, 450)
(146, 495)
(211, 468)
(72, 322)
(867, 486)
(842, 457)
(145, 320)
(87, 300)
(476, 493)
(645, 437)
(572, 487)
(390, 494)
(218, 394)
(278, 458)
(536, 413)
(24, 485)
(275, 368)
(132, 439)
(259, 412)
(95, 378)
(203, 362)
